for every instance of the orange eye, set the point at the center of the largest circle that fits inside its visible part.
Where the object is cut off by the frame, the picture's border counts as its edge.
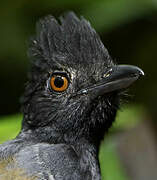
(59, 83)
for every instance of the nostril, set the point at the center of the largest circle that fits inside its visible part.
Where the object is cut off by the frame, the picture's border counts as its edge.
(108, 73)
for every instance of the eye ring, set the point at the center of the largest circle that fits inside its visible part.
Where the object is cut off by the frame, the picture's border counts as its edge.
(59, 83)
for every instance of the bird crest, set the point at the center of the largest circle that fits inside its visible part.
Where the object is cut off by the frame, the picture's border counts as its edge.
(68, 41)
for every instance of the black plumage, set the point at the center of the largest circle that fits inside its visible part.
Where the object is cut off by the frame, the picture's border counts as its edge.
(62, 129)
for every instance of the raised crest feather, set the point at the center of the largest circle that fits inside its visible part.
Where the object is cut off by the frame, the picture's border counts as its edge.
(67, 38)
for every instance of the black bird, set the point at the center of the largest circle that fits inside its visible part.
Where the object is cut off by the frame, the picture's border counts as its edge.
(70, 101)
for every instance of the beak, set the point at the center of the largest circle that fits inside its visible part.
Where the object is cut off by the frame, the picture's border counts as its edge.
(117, 78)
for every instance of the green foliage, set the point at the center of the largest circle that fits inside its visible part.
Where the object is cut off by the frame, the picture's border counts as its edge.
(111, 168)
(9, 127)
(128, 116)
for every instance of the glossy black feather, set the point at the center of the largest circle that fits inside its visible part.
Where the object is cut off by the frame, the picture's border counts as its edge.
(61, 133)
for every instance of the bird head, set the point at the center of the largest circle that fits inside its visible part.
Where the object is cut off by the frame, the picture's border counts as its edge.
(73, 85)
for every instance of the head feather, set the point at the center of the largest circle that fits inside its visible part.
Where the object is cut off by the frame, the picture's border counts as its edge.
(70, 41)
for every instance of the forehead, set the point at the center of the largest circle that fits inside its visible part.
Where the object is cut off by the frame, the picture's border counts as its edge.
(78, 63)
(89, 70)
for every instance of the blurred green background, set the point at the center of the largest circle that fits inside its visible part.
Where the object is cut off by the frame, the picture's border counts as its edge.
(128, 28)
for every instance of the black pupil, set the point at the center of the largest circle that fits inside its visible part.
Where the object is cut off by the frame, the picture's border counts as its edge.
(58, 82)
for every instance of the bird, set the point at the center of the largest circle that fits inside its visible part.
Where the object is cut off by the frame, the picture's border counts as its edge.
(70, 101)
